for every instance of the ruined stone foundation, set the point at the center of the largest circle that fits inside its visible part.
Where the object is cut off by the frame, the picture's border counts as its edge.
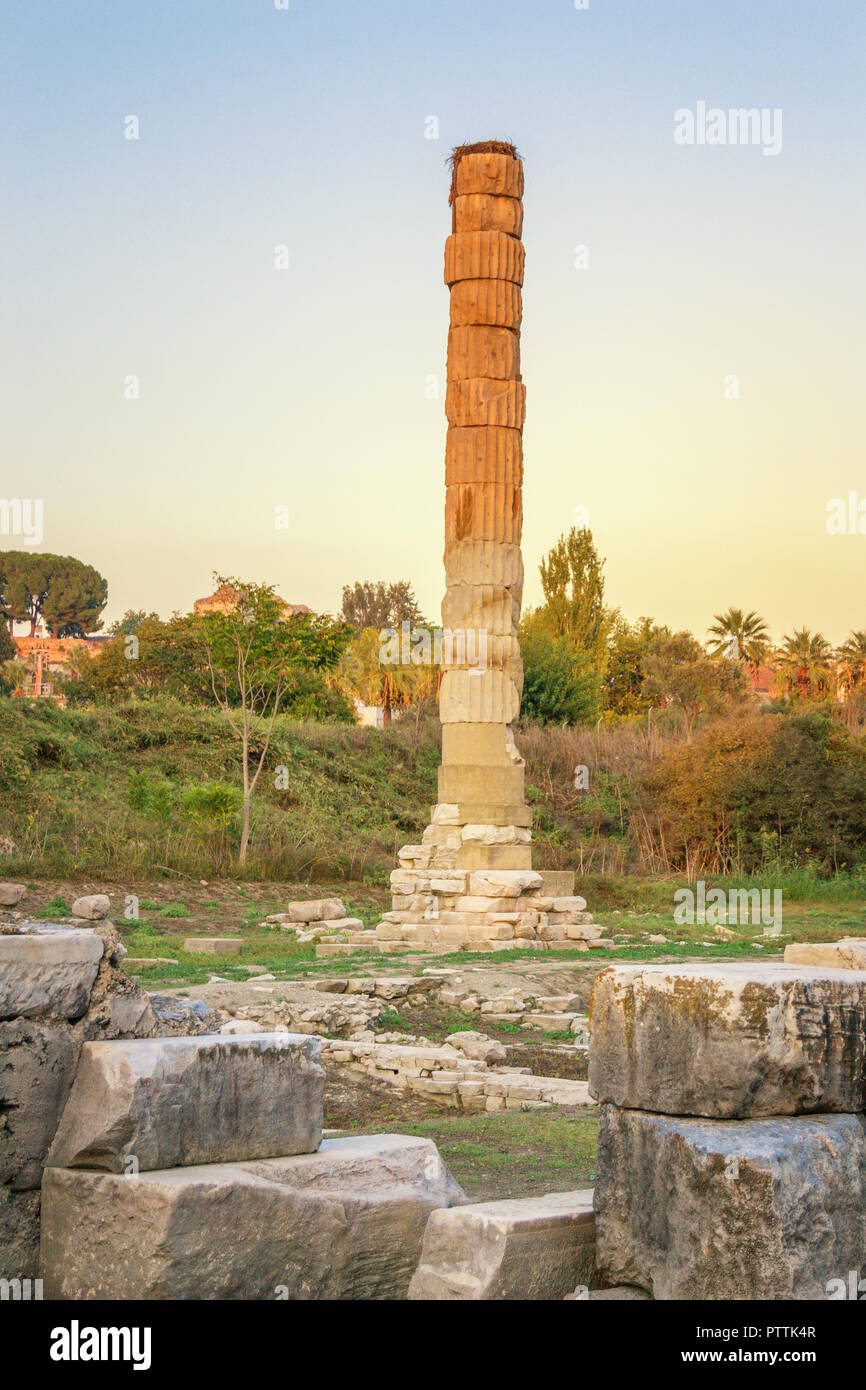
(470, 882)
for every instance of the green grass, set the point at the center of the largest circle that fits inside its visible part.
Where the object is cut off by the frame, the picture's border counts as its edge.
(67, 797)
(513, 1153)
(57, 907)
(282, 955)
(70, 783)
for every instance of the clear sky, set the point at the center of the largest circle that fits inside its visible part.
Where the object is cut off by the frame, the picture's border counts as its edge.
(308, 387)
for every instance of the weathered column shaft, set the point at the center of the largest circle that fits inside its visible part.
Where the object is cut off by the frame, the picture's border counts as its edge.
(481, 778)
(470, 882)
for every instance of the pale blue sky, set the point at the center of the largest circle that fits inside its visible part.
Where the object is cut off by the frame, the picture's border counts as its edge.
(259, 387)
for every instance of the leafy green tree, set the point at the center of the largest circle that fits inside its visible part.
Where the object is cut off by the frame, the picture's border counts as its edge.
(77, 594)
(378, 605)
(131, 621)
(67, 595)
(367, 675)
(573, 587)
(561, 682)
(803, 664)
(740, 636)
(251, 654)
(7, 645)
(679, 673)
(623, 684)
(25, 580)
(158, 658)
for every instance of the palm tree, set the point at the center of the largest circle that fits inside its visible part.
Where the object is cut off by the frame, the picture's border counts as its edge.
(373, 678)
(852, 660)
(743, 636)
(803, 663)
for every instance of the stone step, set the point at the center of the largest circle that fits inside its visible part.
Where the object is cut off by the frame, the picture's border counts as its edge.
(526, 1249)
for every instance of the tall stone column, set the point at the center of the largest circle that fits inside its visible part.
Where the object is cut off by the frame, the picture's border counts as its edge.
(481, 778)
(470, 882)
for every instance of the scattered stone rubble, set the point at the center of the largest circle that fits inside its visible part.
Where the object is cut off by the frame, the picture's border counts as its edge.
(466, 1072)
(321, 918)
(448, 1077)
(768, 1202)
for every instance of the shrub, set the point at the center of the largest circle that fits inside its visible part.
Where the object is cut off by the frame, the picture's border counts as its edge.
(212, 803)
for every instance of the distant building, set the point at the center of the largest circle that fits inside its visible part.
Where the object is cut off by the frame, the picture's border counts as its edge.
(225, 600)
(760, 678)
(46, 658)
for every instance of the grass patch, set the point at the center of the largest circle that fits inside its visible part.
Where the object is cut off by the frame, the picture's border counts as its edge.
(55, 907)
(513, 1153)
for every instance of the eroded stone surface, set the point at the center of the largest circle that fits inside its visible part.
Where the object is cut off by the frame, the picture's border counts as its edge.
(528, 1248)
(739, 1040)
(848, 954)
(47, 971)
(37, 1068)
(317, 910)
(91, 907)
(344, 1223)
(750, 1209)
(19, 1234)
(165, 1102)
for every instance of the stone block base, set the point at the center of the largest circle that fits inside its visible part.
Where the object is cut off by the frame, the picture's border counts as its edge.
(344, 1223)
(480, 906)
(731, 1209)
(531, 1248)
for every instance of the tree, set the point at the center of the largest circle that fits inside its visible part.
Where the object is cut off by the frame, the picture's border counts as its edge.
(67, 595)
(573, 587)
(10, 674)
(368, 673)
(679, 673)
(561, 682)
(131, 621)
(25, 583)
(740, 636)
(77, 594)
(852, 660)
(251, 654)
(623, 682)
(803, 664)
(379, 605)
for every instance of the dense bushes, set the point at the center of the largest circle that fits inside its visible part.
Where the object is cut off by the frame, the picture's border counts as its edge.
(763, 791)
